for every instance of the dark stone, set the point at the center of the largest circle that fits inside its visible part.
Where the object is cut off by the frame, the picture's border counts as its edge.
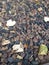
(10, 59)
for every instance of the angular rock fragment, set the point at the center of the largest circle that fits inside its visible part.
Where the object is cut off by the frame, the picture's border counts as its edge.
(5, 42)
(10, 23)
(46, 18)
(18, 47)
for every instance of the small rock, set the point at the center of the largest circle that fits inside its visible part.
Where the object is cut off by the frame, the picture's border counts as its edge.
(10, 59)
(9, 12)
(40, 9)
(12, 31)
(18, 47)
(4, 48)
(10, 23)
(19, 57)
(46, 18)
(5, 42)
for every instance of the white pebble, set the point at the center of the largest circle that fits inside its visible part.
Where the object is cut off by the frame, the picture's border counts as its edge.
(10, 23)
(18, 47)
(46, 18)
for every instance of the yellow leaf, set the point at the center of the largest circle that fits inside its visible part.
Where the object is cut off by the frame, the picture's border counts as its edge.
(43, 49)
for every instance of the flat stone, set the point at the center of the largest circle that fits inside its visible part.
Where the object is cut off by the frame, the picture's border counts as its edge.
(18, 47)
(4, 48)
(5, 42)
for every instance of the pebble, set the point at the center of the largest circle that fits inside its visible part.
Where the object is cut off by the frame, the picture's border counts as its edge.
(19, 57)
(46, 18)
(18, 47)
(10, 59)
(5, 42)
(40, 9)
(10, 23)
(4, 48)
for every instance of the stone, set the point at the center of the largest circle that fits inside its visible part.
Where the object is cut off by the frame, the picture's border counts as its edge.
(19, 57)
(5, 42)
(10, 59)
(18, 47)
(12, 31)
(46, 18)
(40, 9)
(10, 23)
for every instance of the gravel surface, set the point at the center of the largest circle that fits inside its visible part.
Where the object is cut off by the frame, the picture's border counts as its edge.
(24, 23)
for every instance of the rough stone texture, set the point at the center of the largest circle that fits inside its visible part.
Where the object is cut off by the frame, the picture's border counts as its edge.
(30, 28)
